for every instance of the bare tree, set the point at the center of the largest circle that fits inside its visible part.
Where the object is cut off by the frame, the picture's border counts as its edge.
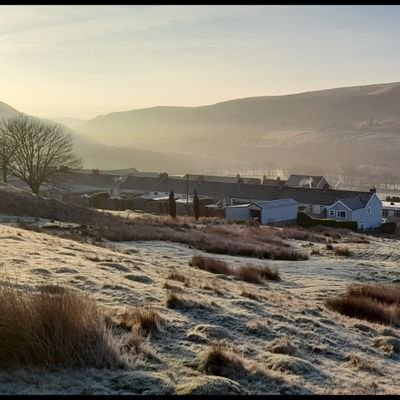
(7, 150)
(40, 150)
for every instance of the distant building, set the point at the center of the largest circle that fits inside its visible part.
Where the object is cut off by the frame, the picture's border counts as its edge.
(367, 212)
(316, 182)
(265, 212)
(391, 210)
(222, 179)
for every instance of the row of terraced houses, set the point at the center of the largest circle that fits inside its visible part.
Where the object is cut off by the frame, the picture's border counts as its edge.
(268, 200)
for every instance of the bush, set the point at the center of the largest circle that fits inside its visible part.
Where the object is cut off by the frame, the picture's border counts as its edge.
(388, 227)
(306, 222)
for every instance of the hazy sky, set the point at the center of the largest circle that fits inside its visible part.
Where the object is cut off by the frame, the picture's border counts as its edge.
(81, 61)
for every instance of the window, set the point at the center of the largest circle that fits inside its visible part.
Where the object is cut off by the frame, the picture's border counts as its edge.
(341, 214)
(397, 213)
(369, 210)
(385, 213)
(331, 213)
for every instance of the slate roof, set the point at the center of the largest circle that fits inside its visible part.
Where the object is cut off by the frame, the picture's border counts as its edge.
(355, 203)
(267, 204)
(218, 190)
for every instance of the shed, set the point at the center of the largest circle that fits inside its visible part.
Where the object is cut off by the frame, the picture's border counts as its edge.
(266, 212)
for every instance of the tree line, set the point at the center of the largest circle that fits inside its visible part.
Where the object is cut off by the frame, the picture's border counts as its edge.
(34, 150)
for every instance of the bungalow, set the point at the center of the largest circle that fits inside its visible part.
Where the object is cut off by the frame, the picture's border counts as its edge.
(265, 212)
(366, 212)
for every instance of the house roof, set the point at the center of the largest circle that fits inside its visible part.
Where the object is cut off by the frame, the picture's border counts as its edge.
(140, 183)
(303, 180)
(221, 179)
(217, 190)
(391, 204)
(273, 182)
(211, 178)
(354, 203)
(267, 204)
(276, 203)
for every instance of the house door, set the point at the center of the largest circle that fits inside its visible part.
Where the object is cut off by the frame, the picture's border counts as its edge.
(362, 226)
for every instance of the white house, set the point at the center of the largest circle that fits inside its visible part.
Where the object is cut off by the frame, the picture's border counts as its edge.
(391, 210)
(366, 212)
(266, 212)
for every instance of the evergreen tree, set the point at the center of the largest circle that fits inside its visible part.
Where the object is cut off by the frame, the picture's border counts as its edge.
(196, 205)
(172, 204)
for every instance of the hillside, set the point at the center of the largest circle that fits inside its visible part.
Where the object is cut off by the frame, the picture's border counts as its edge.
(116, 156)
(326, 125)
(284, 338)
(7, 111)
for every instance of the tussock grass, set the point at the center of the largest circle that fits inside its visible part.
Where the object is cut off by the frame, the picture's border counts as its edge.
(384, 293)
(247, 272)
(57, 327)
(361, 363)
(250, 295)
(134, 342)
(178, 276)
(221, 361)
(342, 251)
(329, 246)
(256, 274)
(374, 303)
(146, 319)
(210, 264)
(177, 301)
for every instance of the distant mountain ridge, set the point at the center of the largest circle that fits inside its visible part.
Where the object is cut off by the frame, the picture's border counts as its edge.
(97, 155)
(353, 125)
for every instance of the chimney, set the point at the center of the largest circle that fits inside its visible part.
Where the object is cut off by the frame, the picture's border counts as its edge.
(280, 184)
(372, 190)
(325, 187)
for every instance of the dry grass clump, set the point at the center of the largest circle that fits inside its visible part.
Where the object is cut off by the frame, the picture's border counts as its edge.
(177, 301)
(256, 274)
(221, 361)
(250, 295)
(315, 252)
(361, 363)
(210, 264)
(247, 272)
(134, 342)
(384, 293)
(53, 328)
(342, 251)
(329, 246)
(146, 319)
(177, 276)
(282, 346)
(374, 303)
(173, 288)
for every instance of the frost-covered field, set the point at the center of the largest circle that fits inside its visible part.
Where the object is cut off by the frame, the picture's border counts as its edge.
(289, 341)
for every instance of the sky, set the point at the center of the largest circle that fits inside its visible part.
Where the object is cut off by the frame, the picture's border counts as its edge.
(83, 61)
